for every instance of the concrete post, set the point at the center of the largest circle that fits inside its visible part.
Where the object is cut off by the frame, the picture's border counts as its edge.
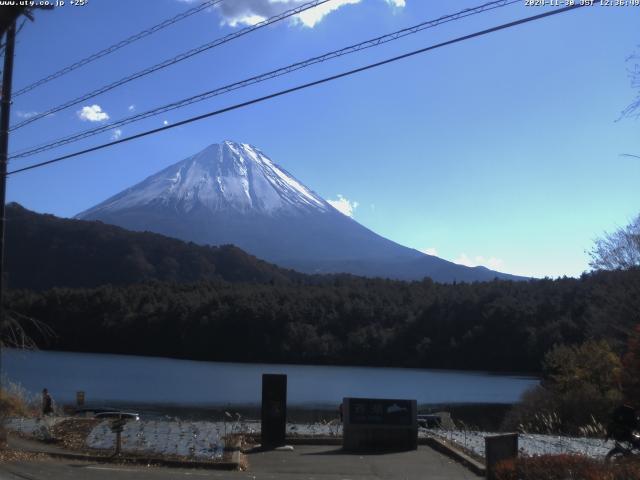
(498, 448)
(274, 410)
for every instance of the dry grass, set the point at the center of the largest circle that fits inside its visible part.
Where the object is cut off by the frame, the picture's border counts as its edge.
(8, 455)
(235, 440)
(15, 401)
(72, 433)
(11, 406)
(243, 465)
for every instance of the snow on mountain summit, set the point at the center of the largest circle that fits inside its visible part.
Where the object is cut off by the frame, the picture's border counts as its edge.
(227, 176)
(232, 193)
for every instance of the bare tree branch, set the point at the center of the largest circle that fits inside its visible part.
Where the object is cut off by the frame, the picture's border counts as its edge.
(15, 328)
(633, 71)
(618, 250)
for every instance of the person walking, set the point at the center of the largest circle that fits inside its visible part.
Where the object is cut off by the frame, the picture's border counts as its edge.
(47, 403)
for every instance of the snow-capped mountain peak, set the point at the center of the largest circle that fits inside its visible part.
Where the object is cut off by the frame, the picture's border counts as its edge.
(232, 193)
(227, 176)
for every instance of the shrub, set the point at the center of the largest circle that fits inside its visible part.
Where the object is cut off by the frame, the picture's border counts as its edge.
(580, 389)
(631, 371)
(536, 413)
(566, 467)
(13, 406)
(15, 401)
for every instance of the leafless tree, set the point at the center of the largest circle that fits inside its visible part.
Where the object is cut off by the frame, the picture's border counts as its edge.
(619, 249)
(633, 69)
(15, 328)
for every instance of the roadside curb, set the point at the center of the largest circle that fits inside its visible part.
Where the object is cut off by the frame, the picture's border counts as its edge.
(314, 440)
(303, 440)
(233, 464)
(472, 464)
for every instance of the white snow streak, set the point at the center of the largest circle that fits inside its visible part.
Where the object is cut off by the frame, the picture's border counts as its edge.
(229, 176)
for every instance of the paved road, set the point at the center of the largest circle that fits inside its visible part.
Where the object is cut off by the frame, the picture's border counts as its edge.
(329, 462)
(304, 463)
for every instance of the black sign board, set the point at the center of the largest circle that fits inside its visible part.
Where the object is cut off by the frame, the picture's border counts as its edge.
(373, 411)
(274, 410)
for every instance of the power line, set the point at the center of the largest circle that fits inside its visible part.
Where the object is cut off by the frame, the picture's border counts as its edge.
(266, 76)
(174, 60)
(117, 46)
(302, 87)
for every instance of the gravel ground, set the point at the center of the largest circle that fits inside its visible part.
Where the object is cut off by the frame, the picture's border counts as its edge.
(199, 440)
(530, 444)
(205, 440)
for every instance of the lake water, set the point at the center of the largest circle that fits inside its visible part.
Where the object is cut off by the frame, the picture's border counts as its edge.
(153, 380)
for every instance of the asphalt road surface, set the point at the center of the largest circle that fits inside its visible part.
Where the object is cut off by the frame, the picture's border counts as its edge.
(304, 463)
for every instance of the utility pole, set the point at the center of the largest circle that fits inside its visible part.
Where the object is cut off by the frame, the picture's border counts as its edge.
(5, 108)
(7, 76)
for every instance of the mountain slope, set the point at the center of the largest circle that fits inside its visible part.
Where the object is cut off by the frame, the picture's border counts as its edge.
(232, 193)
(43, 251)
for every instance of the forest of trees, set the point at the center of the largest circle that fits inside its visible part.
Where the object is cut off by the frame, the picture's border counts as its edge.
(44, 251)
(90, 287)
(499, 325)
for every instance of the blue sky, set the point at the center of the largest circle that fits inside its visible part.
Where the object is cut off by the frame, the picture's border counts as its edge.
(503, 151)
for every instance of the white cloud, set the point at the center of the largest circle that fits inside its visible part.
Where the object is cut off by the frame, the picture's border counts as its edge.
(430, 251)
(492, 262)
(309, 18)
(117, 133)
(165, 122)
(247, 19)
(250, 12)
(92, 113)
(132, 108)
(26, 115)
(344, 206)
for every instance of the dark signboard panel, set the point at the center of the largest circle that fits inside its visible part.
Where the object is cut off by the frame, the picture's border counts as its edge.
(370, 411)
(274, 409)
(374, 424)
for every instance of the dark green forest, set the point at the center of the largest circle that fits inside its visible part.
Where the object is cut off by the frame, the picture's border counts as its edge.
(499, 325)
(44, 251)
(105, 289)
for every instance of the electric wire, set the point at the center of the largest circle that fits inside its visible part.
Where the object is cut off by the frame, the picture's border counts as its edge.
(172, 61)
(264, 77)
(302, 87)
(116, 46)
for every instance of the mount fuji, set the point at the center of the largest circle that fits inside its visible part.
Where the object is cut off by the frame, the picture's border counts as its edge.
(232, 193)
